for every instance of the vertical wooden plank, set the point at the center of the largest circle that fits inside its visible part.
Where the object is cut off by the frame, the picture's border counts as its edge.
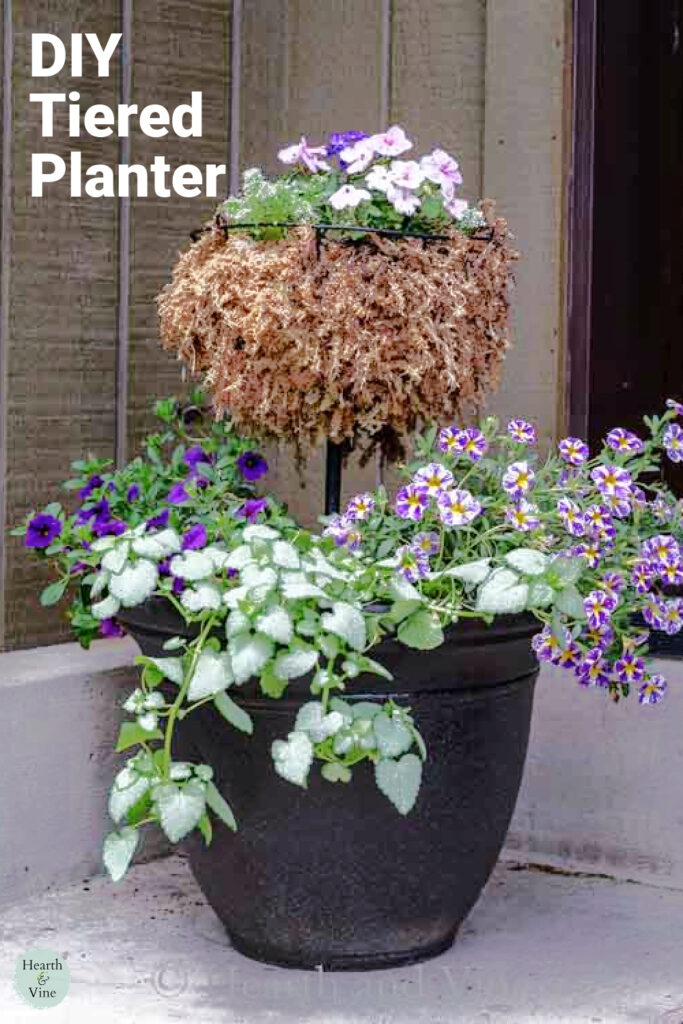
(6, 48)
(438, 73)
(524, 169)
(308, 69)
(62, 312)
(178, 47)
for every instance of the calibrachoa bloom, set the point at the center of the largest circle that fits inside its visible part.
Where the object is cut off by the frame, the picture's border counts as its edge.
(629, 668)
(472, 442)
(671, 403)
(590, 551)
(599, 606)
(133, 493)
(619, 507)
(177, 494)
(92, 485)
(661, 511)
(652, 690)
(523, 516)
(342, 531)
(110, 628)
(661, 550)
(673, 442)
(573, 450)
(598, 520)
(360, 508)
(434, 478)
(654, 613)
(458, 507)
(547, 646)
(252, 466)
(642, 576)
(518, 479)
(612, 480)
(593, 670)
(522, 432)
(614, 582)
(411, 563)
(411, 502)
(42, 530)
(672, 616)
(426, 542)
(602, 636)
(449, 440)
(194, 538)
(572, 517)
(569, 656)
(621, 440)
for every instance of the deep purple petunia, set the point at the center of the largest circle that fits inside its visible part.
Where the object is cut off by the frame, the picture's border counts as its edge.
(252, 509)
(100, 512)
(112, 528)
(133, 492)
(341, 140)
(110, 627)
(42, 530)
(195, 537)
(178, 586)
(158, 522)
(252, 466)
(93, 483)
(164, 567)
(177, 494)
(193, 456)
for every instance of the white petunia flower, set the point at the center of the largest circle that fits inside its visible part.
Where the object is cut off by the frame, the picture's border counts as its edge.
(348, 196)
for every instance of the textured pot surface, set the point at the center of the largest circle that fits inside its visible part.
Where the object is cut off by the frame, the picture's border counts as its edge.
(334, 875)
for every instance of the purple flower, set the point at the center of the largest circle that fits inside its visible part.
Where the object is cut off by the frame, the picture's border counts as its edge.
(572, 517)
(518, 479)
(164, 567)
(599, 606)
(110, 528)
(458, 507)
(672, 615)
(194, 455)
(612, 480)
(158, 522)
(522, 516)
(594, 670)
(652, 690)
(433, 478)
(621, 440)
(601, 637)
(590, 551)
(195, 537)
(522, 432)
(133, 493)
(671, 403)
(412, 564)
(78, 567)
(546, 645)
(252, 509)
(340, 140)
(642, 576)
(671, 575)
(673, 442)
(177, 494)
(308, 157)
(614, 582)
(654, 613)
(662, 512)
(252, 466)
(99, 511)
(426, 542)
(472, 443)
(597, 520)
(411, 502)
(178, 586)
(630, 668)
(661, 550)
(42, 530)
(573, 450)
(93, 483)
(569, 656)
(110, 627)
(619, 507)
(360, 508)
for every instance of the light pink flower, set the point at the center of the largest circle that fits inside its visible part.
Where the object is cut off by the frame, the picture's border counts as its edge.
(308, 156)
(443, 170)
(456, 208)
(359, 156)
(392, 142)
(405, 174)
(348, 196)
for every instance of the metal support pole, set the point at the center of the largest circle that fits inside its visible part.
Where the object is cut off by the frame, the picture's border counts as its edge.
(333, 471)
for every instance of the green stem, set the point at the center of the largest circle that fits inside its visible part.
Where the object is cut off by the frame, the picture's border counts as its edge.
(197, 646)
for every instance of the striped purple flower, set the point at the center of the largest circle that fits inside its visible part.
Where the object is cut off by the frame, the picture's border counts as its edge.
(652, 690)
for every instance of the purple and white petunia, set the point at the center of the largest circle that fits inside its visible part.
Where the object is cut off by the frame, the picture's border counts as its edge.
(523, 516)
(411, 502)
(348, 197)
(411, 563)
(671, 403)
(518, 479)
(360, 508)
(573, 450)
(624, 441)
(629, 668)
(642, 576)
(613, 582)
(612, 480)
(343, 532)
(661, 550)
(522, 432)
(597, 520)
(594, 670)
(392, 142)
(572, 517)
(308, 157)
(672, 614)
(547, 646)
(441, 168)
(426, 542)
(654, 613)
(599, 606)
(673, 442)
(458, 507)
(434, 478)
(652, 690)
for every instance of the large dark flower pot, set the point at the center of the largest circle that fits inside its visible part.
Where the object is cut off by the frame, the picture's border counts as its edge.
(334, 876)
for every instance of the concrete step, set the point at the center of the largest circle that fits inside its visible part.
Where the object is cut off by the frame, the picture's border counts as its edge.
(539, 948)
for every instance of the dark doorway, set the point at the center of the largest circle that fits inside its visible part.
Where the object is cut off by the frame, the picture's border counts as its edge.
(626, 352)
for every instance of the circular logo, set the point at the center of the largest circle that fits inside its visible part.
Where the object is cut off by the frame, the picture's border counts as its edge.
(41, 977)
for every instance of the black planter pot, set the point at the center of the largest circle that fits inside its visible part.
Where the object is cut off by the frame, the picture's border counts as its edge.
(334, 876)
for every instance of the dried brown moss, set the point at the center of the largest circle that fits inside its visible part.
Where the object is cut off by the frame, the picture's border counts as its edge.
(355, 340)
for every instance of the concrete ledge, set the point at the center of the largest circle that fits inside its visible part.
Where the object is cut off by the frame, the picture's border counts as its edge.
(61, 709)
(601, 790)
